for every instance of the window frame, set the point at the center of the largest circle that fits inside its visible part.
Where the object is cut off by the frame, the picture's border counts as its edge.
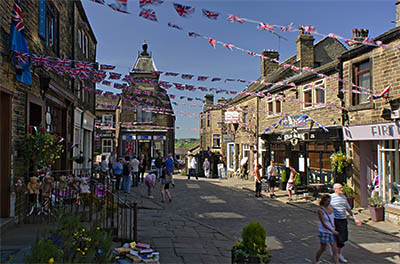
(278, 102)
(103, 145)
(218, 140)
(355, 98)
(314, 92)
(270, 102)
(103, 119)
(49, 25)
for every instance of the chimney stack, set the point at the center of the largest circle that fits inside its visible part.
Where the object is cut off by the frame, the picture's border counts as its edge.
(398, 13)
(209, 99)
(359, 35)
(305, 49)
(267, 65)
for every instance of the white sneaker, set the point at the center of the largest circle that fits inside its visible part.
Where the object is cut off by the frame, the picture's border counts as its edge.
(342, 259)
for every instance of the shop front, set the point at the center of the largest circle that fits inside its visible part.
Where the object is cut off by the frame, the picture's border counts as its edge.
(307, 151)
(148, 145)
(376, 147)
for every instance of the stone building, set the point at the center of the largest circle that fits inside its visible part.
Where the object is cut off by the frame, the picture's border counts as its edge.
(372, 125)
(147, 118)
(107, 125)
(53, 101)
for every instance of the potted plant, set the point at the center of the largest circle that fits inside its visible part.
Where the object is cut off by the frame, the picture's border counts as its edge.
(376, 208)
(252, 248)
(340, 163)
(349, 193)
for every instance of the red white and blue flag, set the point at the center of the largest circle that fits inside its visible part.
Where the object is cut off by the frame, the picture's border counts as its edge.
(148, 14)
(171, 74)
(234, 18)
(202, 78)
(120, 6)
(108, 83)
(98, 1)
(105, 67)
(98, 76)
(216, 79)
(229, 46)
(114, 76)
(268, 27)
(194, 34)
(183, 10)
(175, 26)
(143, 3)
(187, 76)
(212, 42)
(38, 60)
(383, 94)
(63, 63)
(85, 66)
(210, 14)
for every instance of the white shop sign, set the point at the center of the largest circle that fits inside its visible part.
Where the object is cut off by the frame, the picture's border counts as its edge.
(385, 131)
(232, 117)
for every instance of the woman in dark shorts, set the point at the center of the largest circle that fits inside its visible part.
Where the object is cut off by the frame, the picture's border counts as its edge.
(166, 179)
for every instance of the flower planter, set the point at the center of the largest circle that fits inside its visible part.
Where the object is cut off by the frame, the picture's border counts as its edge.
(377, 213)
(239, 258)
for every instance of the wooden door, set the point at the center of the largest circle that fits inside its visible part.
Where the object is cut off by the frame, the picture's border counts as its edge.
(5, 154)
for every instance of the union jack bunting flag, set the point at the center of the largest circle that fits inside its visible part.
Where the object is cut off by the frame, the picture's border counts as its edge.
(105, 67)
(22, 57)
(143, 3)
(38, 60)
(182, 97)
(72, 73)
(120, 6)
(229, 46)
(98, 91)
(334, 36)
(183, 10)
(148, 14)
(174, 26)
(118, 86)
(194, 34)
(230, 80)
(308, 29)
(251, 53)
(212, 42)
(171, 74)
(190, 87)
(233, 18)
(383, 94)
(98, 76)
(108, 93)
(179, 86)
(172, 96)
(210, 14)
(165, 85)
(216, 79)
(98, 1)
(203, 89)
(83, 75)
(114, 76)
(202, 78)
(289, 28)
(86, 66)
(63, 64)
(187, 76)
(263, 26)
(108, 83)
(190, 99)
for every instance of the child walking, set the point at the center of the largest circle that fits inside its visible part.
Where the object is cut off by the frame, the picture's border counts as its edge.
(326, 229)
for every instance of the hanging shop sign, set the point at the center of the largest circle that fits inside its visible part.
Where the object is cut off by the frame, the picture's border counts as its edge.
(159, 137)
(227, 138)
(385, 131)
(232, 117)
(144, 137)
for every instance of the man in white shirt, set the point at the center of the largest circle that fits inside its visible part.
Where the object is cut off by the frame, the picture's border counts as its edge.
(134, 166)
(192, 167)
(271, 177)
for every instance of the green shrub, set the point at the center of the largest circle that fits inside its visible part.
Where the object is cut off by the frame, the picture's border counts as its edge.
(253, 238)
(348, 191)
(43, 251)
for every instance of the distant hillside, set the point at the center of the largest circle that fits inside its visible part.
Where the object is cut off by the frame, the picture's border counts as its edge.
(187, 142)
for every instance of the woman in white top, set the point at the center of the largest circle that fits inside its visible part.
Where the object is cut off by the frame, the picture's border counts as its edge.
(326, 229)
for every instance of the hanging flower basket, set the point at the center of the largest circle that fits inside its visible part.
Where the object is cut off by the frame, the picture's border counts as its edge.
(340, 162)
(41, 149)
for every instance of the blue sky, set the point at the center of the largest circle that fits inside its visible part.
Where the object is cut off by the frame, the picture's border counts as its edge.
(120, 37)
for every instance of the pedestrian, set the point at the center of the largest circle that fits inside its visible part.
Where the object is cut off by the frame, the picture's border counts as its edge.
(340, 206)
(158, 163)
(135, 171)
(326, 229)
(192, 167)
(374, 186)
(166, 180)
(104, 167)
(169, 164)
(257, 179)
(206, 168)
(117, 171)
(150, 182)
(271, 177)
(290, 183)
(127, 175)
(245, 171)
(142, 167)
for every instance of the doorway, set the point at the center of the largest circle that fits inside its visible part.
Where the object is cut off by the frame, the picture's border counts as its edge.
(5, 153)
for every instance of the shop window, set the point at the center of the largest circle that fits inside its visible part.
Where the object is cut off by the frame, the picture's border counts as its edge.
(216, 141)
(35, 115)
(314, 160)
(246, 150)
(107, 119)
(362, 77)
(326, 161)
(107, 145)
(245, 116)
(143, 115)
(231, 156)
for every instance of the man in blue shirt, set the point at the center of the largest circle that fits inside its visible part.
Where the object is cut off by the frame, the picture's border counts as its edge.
(169, 164)
(117, 171)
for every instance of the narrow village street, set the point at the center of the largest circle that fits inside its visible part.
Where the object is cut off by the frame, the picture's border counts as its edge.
(224, 207)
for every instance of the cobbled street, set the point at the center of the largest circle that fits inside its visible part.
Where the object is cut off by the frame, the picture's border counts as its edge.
(227, 206)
